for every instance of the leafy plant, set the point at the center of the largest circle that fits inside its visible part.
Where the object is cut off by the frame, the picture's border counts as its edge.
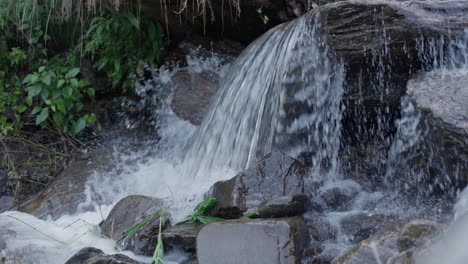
(264, 17)
(56, 95)
(200, 213)
(118, 44)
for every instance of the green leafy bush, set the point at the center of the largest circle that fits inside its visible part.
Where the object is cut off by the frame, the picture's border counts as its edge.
(55, 95)
(119, 44)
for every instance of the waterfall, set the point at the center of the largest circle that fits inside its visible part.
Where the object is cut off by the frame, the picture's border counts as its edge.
(282, 93)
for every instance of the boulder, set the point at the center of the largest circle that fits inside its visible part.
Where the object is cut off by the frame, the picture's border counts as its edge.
(67, 191)
(380, 44)
(284, 206)
(361, 226)
(275, 175)
(339, 197)
(253, 241)
(132, 210)
(192, 94)
(415, 233)
(442, 100)
(91, 255)
(319, 228)
(181, 236)
(376, 249)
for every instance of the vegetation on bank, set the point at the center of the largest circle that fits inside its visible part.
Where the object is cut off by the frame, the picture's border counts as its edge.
(46, 93)
(42, 46)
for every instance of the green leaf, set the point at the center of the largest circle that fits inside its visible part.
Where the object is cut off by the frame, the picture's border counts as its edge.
(73, 72)
(41, 69)
(21, 108)
(134, 21)
(61, 106)
(205, 206)
(78, 126)
(34, 90)
(91, 93)
(60, 83)
(36, 110)
(44, 94)
(74, 82)
(58, 118)
(28, 100)
(46, 79)
(56, 94)
(67, 92)
(43, 116)
(31, 78)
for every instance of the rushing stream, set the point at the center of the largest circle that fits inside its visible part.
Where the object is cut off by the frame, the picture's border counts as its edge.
(283, 92)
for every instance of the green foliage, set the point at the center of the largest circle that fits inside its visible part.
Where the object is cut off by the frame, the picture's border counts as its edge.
(55, 95)
(119, 44)
(158, 255)
(200, 213)
(11, 107)
(133, 229)
(264, 17)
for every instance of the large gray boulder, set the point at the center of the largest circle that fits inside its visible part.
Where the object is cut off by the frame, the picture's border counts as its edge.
(253, 241)
(132, 210)
(67, 191)
(192, 93)
(380, 44)
(275, 175)
(442, 100)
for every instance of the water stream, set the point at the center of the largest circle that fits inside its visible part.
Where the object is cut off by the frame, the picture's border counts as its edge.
(283, 92)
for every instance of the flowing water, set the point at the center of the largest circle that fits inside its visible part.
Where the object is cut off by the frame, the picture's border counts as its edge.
(283, 92)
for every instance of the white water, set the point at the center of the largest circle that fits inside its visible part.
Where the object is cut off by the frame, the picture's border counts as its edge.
(243, 124)
(249, 117)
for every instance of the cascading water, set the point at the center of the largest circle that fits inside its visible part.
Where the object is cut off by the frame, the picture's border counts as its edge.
(287, 74)
(284, 86)
(284, 92)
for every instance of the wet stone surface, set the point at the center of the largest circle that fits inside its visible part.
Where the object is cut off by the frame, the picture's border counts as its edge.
(193, 93)
(284, 206)
(275, 175)
(272, 241)
(181, 236)
(132, 210)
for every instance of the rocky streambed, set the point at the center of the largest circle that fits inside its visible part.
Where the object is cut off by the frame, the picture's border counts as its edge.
(386, 193)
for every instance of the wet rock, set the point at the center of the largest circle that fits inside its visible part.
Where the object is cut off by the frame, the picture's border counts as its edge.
(275, 175)
(383, 246)
(284, 206)
(192, 94)
(340, 197)
(378, 40)
(91, 255)
(6, 203)
(181, 236)
(253, 241)
(319, 228)
(442, 100)
(66, 192)
(415, 233)
(362, 226)
(129, 211)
